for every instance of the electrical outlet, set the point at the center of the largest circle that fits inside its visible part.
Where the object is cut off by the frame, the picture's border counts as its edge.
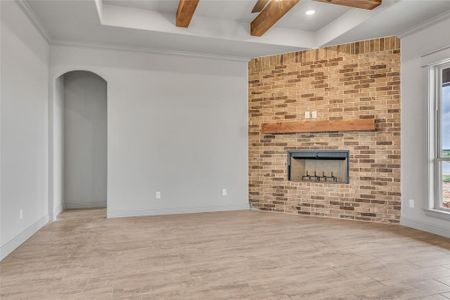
(314, 115)
(411, 203)
(158, 195)
(224, 192)
(21, 214)
(307, 115)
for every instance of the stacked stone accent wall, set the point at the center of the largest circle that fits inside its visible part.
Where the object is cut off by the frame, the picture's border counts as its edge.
(353, 81)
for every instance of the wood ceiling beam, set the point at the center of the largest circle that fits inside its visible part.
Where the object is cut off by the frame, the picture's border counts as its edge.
(259, 6)
(273, 12)
(185, 11)
(364, 4)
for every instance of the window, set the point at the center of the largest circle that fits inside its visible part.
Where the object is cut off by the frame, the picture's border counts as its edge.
(441, 140)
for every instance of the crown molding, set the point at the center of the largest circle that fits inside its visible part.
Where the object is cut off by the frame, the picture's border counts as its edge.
(26, 8)
(148, 50)
(428, 23)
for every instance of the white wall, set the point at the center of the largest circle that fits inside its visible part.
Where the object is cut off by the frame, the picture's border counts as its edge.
(24, 125)
(176, 125)
(85, 142)
(414, 125)
(56, 190)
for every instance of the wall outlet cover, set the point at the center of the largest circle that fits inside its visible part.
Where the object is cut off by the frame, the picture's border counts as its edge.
(224, 192)
(411, 203)
(21, 214)
(158, 195)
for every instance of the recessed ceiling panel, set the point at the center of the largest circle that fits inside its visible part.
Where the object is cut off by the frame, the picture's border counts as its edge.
(222, 28)
(240, 10)
(165, 6)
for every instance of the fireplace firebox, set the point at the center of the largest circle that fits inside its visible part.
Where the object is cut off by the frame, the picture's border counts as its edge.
(318, 166)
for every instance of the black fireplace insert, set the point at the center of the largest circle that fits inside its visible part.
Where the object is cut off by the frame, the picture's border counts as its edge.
(318, 166)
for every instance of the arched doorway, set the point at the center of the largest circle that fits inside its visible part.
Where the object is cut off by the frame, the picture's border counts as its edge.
(79, 142)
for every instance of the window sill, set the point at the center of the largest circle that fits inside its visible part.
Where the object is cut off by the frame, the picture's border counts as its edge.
(436, 213)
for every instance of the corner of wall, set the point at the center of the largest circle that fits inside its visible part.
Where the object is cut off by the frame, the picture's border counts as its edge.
(34, 68)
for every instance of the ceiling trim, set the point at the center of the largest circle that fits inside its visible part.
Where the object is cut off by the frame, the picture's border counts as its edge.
(362, 4)
(148, 50)
(341, 25)
(347, 22)
(425, 24)
(28, 11)
(298, 40)
(224, 29)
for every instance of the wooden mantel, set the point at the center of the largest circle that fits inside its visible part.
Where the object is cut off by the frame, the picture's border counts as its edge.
(319, 126)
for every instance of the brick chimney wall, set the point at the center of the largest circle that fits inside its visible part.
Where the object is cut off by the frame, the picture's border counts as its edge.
(353, 81)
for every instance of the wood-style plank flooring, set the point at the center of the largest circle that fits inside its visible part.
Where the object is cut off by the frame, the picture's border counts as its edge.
(225, 255)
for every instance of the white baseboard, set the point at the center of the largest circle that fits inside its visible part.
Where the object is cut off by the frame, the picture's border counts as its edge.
(443, 231)
(74, 205)
(19, 239)
(173, 211)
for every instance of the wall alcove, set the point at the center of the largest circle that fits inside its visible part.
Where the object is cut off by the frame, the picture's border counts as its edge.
(78, 140)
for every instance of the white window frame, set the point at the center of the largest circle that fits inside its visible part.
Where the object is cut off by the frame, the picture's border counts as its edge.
(434, 140)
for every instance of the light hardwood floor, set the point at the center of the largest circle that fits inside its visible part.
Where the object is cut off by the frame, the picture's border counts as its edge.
(225, 255)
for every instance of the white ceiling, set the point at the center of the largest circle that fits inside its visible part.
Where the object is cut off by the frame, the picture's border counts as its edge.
(221, 27)
(240, 10)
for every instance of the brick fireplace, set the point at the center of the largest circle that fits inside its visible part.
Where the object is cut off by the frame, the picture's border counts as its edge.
(357, 81)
